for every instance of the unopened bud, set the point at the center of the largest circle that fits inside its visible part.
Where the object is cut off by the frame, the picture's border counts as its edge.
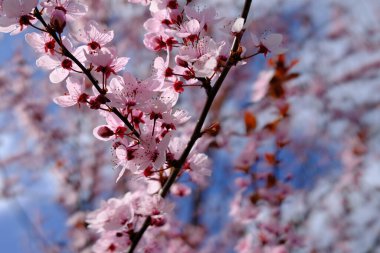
(105, 132)
(181, 62)
(58, 20)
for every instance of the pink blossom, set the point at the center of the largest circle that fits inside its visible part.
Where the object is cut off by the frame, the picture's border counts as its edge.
(169, 5)
(270, 43)
(189, 30)
(42, 43)
(73, 9)
(152, 153)
(61, 66)
(125, 156)
(129, 93)
(16, 15)
(203, 56)
(151, 205)
(198, 167)
(107, 62)
(163, 71)
(113, 215)
(261, 86)
(159, 41)
(180, 190)
(206, 17)
(112, 242)
(173, 118)
(158, 22)
(76, 93)
(94, 36)
(114, 129)
(58, 20)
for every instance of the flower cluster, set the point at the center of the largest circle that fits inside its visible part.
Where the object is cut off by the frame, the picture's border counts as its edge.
(141, 117)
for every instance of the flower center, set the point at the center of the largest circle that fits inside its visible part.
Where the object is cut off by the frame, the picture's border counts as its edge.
(93, 45)
(67, 64)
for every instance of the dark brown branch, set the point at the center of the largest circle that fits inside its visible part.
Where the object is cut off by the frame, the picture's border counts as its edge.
(197, 133)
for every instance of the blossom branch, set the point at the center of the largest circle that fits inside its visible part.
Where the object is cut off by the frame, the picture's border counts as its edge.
(233, 58)
(86, 71)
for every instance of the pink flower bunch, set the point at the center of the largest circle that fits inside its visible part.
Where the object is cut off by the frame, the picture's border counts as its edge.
(150, 141)
(117, 219)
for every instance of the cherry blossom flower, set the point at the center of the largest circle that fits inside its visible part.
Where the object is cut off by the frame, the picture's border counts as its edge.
(260, 87)
(94, 36)
(270, 43)
(198, 167)
(114, 129)
(113, 215)
(16, 15)
(112, 242)
(180, 190)
(206, 17)
(169, 5)
(61, 66)
(158, 22)
(152, 153)
(73, 9)
(203, 56)
(58, 20)
(42, 43)
(127, 92)
(174, 118)
(151, 205)
(106, 61)
(159, 41)
(189, 30)
(163, 71)
(125, 156)
(76, 93)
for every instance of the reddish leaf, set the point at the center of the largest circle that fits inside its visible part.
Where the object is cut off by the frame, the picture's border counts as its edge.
(271, 159)
(250, 122)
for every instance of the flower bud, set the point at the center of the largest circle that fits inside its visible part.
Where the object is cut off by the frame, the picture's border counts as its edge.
(181, 62)
(58, 20)
(105, 132)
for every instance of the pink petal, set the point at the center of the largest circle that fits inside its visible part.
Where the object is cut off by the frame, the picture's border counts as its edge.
(58, 75)
(272, 40)
(74, 86)
(120, 63)
(12, 8)
(28, 5)
(35, 41)
(65, 101)
(47, 62)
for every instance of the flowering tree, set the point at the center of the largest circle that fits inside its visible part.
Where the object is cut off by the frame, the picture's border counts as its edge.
(193, 114)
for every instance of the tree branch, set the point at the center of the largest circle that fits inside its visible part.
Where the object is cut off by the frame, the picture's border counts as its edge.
(197, 133)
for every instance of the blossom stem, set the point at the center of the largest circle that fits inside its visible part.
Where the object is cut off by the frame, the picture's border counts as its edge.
(197, 133)
(250, 56)
(39, 29)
